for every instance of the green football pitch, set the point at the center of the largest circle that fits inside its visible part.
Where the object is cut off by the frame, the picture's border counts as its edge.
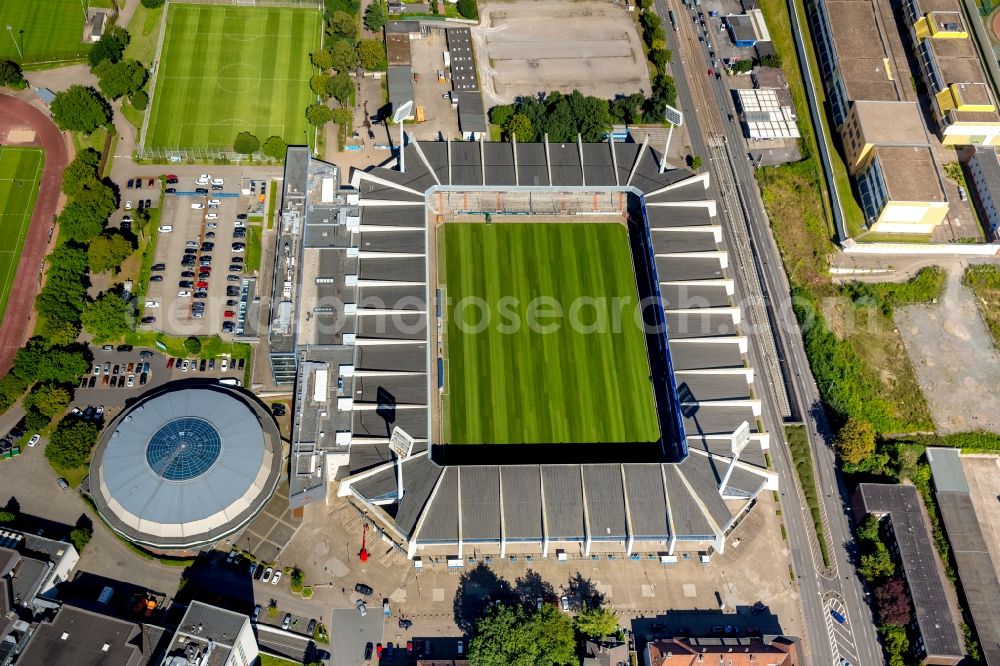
(20, 173)
(52, 30)
(225, 70)
(584, 381)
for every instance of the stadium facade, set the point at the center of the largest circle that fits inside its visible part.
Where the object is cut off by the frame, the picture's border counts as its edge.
(185, 466)
(356, 323)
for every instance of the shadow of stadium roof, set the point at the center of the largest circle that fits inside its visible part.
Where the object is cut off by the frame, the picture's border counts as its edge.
(663, 500)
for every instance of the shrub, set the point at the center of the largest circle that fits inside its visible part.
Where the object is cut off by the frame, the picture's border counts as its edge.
(140, 100)
(71, 443)
(192, 345)
(80, 537)
(467, 8)
(246, 143)
(152, 4)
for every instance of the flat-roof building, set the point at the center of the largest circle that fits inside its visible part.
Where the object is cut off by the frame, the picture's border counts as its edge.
(84, 638)
(879, 125)
(212, 636)
(939, 641)
(963, 102)
(692, 651)
(984, 180)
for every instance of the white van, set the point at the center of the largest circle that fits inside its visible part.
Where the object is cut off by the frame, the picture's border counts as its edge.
(197, 206)
(165, 228)
(230, 381)
(152, 304)
(218, 181)
(202, 179)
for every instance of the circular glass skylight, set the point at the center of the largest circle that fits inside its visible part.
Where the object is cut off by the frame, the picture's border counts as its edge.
(183, 449)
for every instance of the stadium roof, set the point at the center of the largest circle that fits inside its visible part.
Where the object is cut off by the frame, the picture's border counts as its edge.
(185, 466)
(575, 502)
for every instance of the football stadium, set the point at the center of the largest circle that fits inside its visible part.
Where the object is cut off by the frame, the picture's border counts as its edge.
(511, 349)
(185, 466)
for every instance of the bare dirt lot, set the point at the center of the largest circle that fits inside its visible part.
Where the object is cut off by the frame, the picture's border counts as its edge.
(529, 47)
(953, 356)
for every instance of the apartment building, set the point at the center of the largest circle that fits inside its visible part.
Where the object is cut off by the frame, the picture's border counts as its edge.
(885, 145)
(963, 104)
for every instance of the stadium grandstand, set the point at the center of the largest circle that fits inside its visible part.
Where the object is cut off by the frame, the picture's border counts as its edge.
(356, 329)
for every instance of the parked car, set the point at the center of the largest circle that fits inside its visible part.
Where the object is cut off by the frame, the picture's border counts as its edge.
(62, 483)
(360, 588)
(311, 627)
(362, 609)
(368, 650)
(287, 622)
(34, 439)
(266, 577)
(276, 577)
(255, 614)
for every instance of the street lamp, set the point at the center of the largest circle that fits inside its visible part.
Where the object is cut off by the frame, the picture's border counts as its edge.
(10, 29)
(401, 114)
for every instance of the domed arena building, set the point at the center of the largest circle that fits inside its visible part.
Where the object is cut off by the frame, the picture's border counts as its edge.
(186, 466)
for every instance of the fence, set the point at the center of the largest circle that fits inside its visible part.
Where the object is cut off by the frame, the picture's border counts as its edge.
(201, 154)
(304, 4)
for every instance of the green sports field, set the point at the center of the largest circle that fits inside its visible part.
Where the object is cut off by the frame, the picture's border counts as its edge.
(20, 173)
(53, 30)
(521, 384)
(225, 70)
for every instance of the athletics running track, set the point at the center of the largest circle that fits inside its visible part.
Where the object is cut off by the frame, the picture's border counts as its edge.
(17, 114)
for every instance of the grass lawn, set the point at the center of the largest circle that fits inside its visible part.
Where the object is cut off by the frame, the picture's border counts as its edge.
(798, 446)
(52, 30)
(145, 31)
(224, 70)
(20, 173)
(269, 660)
(984, 281)
(272, 200)
(254, 240)
(526, 384)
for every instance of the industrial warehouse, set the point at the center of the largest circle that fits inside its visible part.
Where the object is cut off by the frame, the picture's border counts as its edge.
(358, 327)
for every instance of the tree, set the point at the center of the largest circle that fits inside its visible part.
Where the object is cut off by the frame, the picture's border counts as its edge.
(152, 4)
(80, 222)
(192, 345)
(318, 84)
(596, 622)
(321, 59)
(694, 161)
(343, 56)
(897, 645)
(80, 109)
(37, 362)
(626, 109)
(65, 291)
(877, 565)
(117, 79)
(893, 602)
(499, 115)
(140, 100)
(81, 172)
(340, 87)
(519, 127)
(59, 332)
(71, 443)
(771, 60)
(80, 536)
(741, 66)
(108, 251)
(108, 317)
(644, 4)
(371, 53)
(343, 24)
(660, 58)
(12, 387)
(111, 46)
(49, 399)
(343, 117)
(855, 441)
(509, 636)
(7, 516)
(11, 75)
(376, 16)
(318, 114)
(275, 147)
(246, 143)
(467, 8)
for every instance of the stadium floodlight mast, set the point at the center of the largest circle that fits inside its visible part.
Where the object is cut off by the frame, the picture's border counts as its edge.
(401, 114)
(17, 46)
(740, 438)
(401, 444)
(675, 117)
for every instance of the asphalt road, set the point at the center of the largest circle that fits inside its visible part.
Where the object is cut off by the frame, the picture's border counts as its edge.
(721, 146)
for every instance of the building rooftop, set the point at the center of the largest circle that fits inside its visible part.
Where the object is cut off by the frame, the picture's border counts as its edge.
(770, 650)
(860, 49)
(977, 571)
(210, 634)
(910, 173)
(891, 123)
(83, 638)
(920, 563)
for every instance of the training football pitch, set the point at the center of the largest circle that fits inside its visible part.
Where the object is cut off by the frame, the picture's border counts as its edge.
(578, 378)
(20, 173)
(52, 30)
(225, 70)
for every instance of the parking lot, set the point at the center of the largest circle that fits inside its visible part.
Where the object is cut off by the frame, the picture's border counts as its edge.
(427, 59)
(198, 265)
(527, 48)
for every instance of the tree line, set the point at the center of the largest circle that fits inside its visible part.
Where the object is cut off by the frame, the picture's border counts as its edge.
(563, 117)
